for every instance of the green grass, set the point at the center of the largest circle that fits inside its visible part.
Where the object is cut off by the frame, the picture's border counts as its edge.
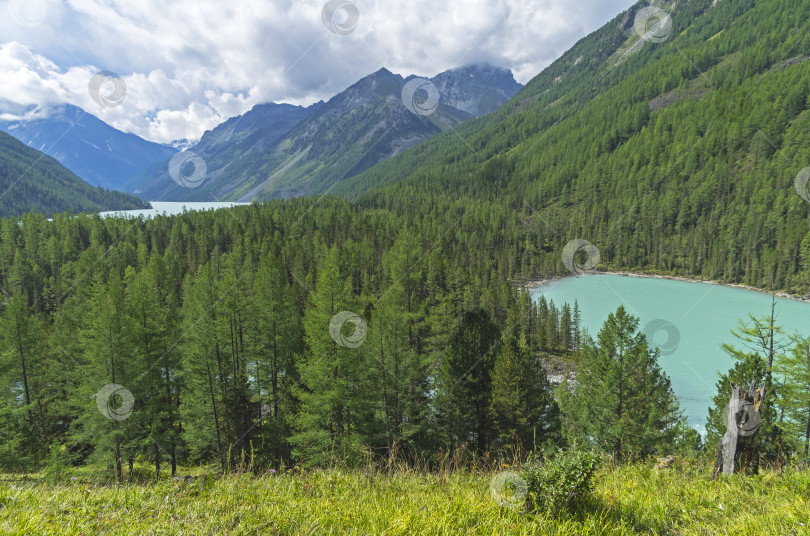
(629, 500)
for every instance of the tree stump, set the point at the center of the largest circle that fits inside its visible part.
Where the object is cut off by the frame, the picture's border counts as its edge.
(738, 448)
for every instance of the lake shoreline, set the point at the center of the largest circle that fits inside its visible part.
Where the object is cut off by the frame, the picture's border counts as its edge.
(804, 299)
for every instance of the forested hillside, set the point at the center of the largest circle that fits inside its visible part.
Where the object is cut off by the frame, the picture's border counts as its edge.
(676, 156)
(32, 181)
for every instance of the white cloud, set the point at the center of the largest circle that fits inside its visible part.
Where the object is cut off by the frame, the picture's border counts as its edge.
(190, 64)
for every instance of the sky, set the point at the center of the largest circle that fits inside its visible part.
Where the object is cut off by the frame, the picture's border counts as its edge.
(172, 69)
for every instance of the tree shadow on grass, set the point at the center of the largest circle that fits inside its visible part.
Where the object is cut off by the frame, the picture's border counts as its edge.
(611, 516)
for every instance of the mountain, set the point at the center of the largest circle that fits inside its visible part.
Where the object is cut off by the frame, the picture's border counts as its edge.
(234, 144)
(284, 151)
(31, 180)
(89, 147)
(476, 89)
(676, 154)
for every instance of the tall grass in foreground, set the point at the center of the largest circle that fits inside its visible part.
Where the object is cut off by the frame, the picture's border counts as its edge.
(627, 500)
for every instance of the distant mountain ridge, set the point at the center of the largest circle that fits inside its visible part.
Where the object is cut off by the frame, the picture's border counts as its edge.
(89, 147)
(280, 150)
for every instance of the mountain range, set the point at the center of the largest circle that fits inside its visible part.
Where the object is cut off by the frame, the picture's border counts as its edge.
(280, 151)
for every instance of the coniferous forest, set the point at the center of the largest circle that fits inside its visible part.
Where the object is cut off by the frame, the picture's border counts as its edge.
(305, 332)
(221, 327)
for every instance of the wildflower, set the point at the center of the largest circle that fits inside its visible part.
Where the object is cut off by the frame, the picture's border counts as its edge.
(272, 471)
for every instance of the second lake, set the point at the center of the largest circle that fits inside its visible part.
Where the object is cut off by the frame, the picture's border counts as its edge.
(700, 317)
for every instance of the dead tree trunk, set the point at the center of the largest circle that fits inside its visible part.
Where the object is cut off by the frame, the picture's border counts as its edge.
(738, 449)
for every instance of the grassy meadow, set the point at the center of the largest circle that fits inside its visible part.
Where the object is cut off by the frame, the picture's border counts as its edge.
(635, 499)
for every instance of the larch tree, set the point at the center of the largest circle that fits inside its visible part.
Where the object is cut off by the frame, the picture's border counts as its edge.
(275, 327)
(333, 373)
(762, 344)
(794, 399)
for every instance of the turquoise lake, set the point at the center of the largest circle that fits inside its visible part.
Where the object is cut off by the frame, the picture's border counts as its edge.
(693, 320)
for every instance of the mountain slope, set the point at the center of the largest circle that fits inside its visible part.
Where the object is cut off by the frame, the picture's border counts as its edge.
(363, 125)
(89, 147)
(31, 180)
(234, 144)
(676, 156)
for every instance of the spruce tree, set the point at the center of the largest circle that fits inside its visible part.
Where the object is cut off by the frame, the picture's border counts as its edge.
(621, 401)
(523, 409)
(465, 384)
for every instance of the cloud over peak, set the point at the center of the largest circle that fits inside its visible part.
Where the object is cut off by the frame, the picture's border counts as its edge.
(188, 65)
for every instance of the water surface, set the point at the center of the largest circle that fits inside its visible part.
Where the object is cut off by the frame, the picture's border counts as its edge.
(170, 208)
(699, 315)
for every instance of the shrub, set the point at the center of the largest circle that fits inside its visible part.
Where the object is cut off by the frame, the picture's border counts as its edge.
(57, 463)
(562, 481)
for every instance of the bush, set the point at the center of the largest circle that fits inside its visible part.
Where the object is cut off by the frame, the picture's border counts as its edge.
(562, 481)
(57, 463)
